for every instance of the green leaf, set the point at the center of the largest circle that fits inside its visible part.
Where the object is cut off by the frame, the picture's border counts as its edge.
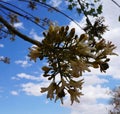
(43, 0)
(99, 9)
(91, 11)
(70, 7)
(70, 0)
(78, 10)
(119, 19)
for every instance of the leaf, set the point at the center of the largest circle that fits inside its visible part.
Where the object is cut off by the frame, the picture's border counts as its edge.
(32, 5)
(99, 10)
(43, 0)
(46, 69)
(70, 0)
(70, 7)
(119, 19)
(92, 10)
(78, 10)
(37, 20)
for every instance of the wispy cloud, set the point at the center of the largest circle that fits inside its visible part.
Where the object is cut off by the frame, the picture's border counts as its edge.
(28, 77)
(31, 89)
(92, 94)
(94, 89)
(94, 80)
(19, 25)
(15, 93)
(111, 19)
(33, 84)
(35, 36)
(55, 3)
(90, 109)
(24, 63)
(34, 89)
(1, 45)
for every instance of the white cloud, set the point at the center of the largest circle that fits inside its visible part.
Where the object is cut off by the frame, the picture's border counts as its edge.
(23, 63)
(1, 45)
(31, 89)
(96, 92)
(15, 78)
(111, 14)
(15, 93)
(34, 88)
(19, 25)
(93, 88)
(55, 3)
(27, 76)
(90, 109)
(93, 80)
(77, 28)
(89, 101)
(2, 57)
(114, 69)
(35, 35)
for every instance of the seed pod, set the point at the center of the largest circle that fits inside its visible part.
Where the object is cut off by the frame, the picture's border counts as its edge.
(45, 68)
(95, 65)
(61, 93)
(67, 28)
(62, 28)
(72, 32)
(104, 66)
(44, 34)
(83, 37)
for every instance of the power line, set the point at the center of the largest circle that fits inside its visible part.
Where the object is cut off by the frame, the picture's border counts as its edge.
(116, 3)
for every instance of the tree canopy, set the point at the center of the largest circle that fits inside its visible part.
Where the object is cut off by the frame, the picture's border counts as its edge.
(115, 101)
(68, 54)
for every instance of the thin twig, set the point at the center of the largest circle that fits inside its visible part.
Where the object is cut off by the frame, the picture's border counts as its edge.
(22, 36)
(4, 7)
(87, 18)
(55, 9)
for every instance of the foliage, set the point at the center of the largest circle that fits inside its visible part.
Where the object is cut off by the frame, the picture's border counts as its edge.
(115, 101)
(5, 59)
(68, 55)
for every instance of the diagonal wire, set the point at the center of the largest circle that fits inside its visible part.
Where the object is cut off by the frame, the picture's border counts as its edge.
(55, 9)
(20, 14)
(116, 3)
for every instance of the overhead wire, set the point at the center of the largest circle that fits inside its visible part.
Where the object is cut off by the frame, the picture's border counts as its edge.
(116, 3)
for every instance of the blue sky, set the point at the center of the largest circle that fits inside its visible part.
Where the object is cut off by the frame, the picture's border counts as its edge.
(20, 81)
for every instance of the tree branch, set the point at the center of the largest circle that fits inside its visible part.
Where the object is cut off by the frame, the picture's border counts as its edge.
(22, 36)
(87, 19)
(22, 15)
(55, 9)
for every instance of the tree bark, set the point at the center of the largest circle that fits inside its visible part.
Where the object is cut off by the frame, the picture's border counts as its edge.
(16, 32)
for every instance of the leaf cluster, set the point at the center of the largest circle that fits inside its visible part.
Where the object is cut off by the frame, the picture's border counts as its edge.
(115, 100)
(69, 56)
(85, 7)
(5, 59)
